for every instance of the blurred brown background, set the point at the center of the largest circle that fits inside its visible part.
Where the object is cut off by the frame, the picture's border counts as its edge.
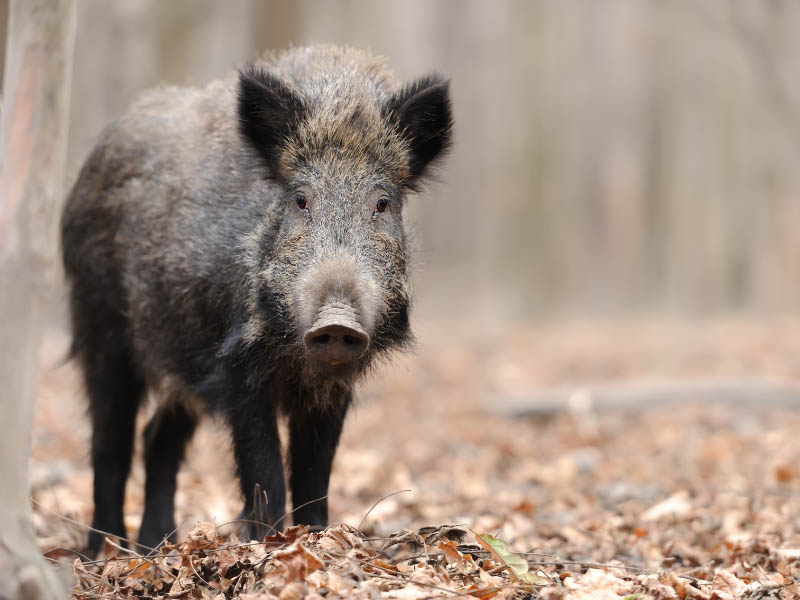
(611, 157)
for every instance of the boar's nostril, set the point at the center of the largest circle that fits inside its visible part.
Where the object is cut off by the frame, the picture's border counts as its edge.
(335, 345)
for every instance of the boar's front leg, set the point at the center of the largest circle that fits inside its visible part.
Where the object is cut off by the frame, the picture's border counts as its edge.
(166, 437)
(257, 450)
(314, 430)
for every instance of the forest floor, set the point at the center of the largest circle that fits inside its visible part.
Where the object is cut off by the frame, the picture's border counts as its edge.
(632, 460)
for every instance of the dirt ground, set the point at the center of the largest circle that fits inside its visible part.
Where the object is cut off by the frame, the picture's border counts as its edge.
(637, 459)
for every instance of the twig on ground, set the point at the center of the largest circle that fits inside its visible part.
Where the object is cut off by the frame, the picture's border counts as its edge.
(371, 508)
(63, 549)
(200, 577)
(88, 527)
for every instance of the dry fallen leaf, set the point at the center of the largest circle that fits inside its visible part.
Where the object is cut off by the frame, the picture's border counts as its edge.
(727, 582)
(339, 538)
(204, 535)
(297, 561)
(289, 535)
(463, 564)
(674, 507)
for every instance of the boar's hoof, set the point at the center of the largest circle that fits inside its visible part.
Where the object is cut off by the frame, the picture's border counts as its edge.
(335, 345)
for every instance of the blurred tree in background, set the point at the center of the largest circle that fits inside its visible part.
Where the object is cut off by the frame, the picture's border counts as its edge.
(611, 157)
(36, 78)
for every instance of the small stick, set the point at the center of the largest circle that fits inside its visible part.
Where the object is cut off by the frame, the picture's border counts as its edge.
(378, 502)
(85, 526)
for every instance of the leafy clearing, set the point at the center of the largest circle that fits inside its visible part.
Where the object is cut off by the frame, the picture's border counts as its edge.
(677, 499)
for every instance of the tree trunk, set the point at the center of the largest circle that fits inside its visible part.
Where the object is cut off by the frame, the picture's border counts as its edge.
(36, 85)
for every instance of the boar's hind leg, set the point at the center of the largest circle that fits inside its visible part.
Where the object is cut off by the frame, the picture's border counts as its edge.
(166, 436)
(314, 432)
(115, 390)
(257, 450)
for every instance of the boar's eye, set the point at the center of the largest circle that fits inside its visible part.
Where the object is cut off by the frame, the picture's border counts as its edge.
(383, 202)
(300, 198)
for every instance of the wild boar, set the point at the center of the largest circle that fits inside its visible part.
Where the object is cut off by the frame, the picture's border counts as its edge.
(239, 250)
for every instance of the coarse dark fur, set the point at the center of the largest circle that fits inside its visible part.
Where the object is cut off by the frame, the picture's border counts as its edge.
(207, 230)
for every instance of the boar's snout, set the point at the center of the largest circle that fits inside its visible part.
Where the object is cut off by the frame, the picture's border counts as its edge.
(336, 338)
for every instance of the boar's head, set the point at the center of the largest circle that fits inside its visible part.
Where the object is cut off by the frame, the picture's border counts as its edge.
(340, 150)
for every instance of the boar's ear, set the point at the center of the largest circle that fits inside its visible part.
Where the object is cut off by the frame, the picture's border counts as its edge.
(421, 111)
(268, 113)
